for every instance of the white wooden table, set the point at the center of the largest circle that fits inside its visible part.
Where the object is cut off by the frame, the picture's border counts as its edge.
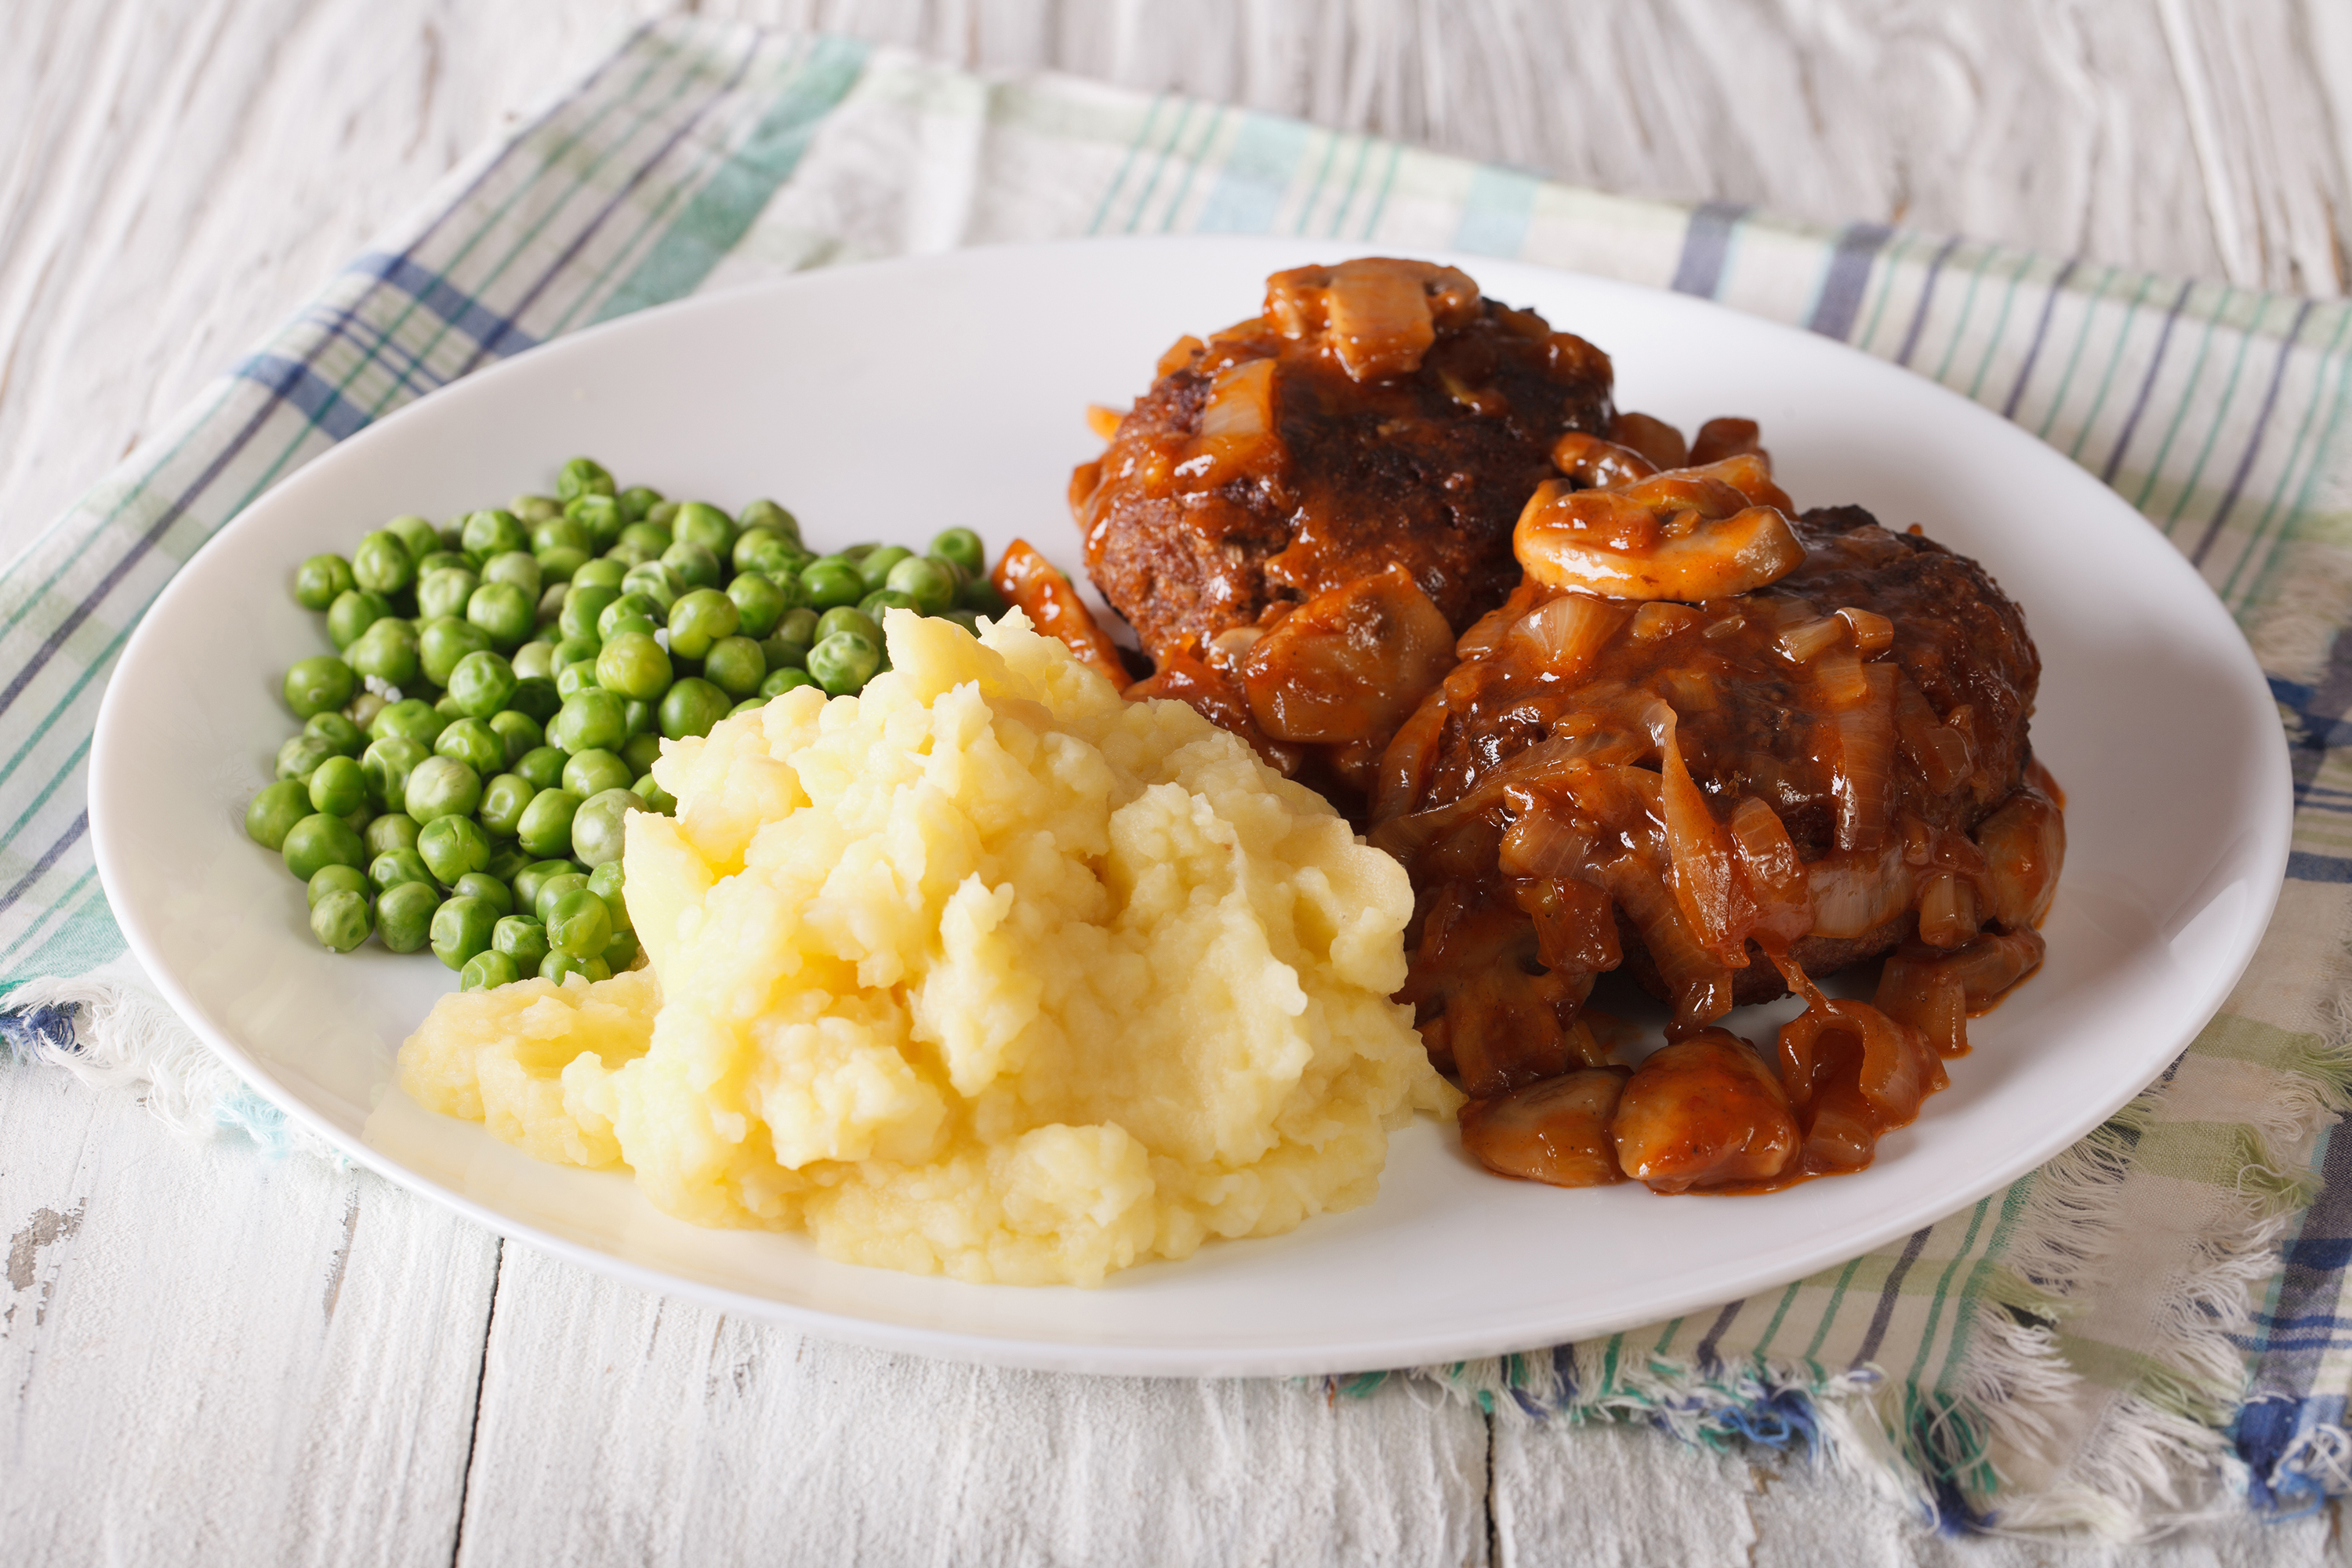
(207, 1357)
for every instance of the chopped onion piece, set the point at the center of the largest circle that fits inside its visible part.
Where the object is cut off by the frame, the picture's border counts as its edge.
(1565, 634)
(1808, 640)
(1947, 910)
(1873, 633)
(1863, 781)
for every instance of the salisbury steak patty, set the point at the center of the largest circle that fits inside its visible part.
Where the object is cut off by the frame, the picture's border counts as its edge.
(1378, 412)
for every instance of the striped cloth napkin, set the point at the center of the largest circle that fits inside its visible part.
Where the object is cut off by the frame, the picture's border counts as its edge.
(2154, 1320)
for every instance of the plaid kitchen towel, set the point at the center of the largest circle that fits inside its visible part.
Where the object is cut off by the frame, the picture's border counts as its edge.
(2154, 1318)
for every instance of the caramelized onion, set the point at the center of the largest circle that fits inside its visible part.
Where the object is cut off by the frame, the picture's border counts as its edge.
(1919, 987)
(1028, 579)
(1874, 634)
(1807, 640)
(1557, 1130)
(1864, 781)
(1704, 1112)
(1707, 887)
(1379, 315)
(1947, 910)
(1576, 928)
(1939, 752)
(1721, 438)
(2024, 843)
(1775, 880)
(1543, 840)
(1603, 465)
(1897, 1069)
(1855, 892)
(1660, 443)
(1350, 664)
(1699, 986)
(1405, 764)
(1562, 635)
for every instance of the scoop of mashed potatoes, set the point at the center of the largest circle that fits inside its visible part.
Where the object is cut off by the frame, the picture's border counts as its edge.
(985, 971)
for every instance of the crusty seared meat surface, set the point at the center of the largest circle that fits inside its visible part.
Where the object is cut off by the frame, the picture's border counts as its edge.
(1378, 412)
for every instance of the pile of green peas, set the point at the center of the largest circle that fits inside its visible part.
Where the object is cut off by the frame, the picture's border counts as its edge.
(502, 686)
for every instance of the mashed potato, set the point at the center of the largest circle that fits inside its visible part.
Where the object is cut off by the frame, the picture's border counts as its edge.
(985, 971)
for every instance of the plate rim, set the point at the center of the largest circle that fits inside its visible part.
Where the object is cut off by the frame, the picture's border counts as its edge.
(983, 1346)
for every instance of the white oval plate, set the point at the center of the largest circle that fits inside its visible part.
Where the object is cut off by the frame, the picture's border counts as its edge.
(893, 400)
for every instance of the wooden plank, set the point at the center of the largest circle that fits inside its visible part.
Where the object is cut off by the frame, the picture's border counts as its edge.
(617, 1426)
(211, 1357)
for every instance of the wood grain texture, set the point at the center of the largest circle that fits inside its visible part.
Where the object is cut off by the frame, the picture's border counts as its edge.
(207, 1358)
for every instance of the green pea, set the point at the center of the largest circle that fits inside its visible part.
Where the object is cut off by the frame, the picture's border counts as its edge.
(583, 476)
(876, 566)
(779, 559)
(846, 619)
(474, 743)
(581, 607)
(553, 892)
(655, 582)
(691, 564)
(391, 867)
(881, 599)
(579, 924)
(637, 500)
(783, 653)
(488, 888)
(634, 666)
(451, 846)
(700, 523)
(559, 967)
(443, 560)
(575, 650)
(411, 717)
(542, 767)
(352, 613)
(504, 800)
(620, 952)
(274, 810)
(642, 752)
(338, 787)
(600, 574)
(535, 658)
(623, 607)
(691, 707)
(320, 581)
(317, 685)
(632, 625)
(442, 786)
(648, 539)
(557, 531)
(759, 603)
(504, 612)
(519, 732)
(388, 764)
(506, 861)
(779, 681)
(980, 598)
(387, 650)
(535, 508)
(299, 758)
(444, 592)
(481, 683)
(522, 939)
(536, 699)
(337, 878)
(448, 709)
(799, 626)
(751, 704)
(318, 840)
(519, 567)
(382, 564)
(404, 915)
(832, 582)
(642, 718)
(656, 798)
(735, 665)
(609, 882)
(338, 731)
(545, 826)
(591, 720)
(493, 533)
(628, 557)
(461, 929)
(767, 514)
(598, 827)
(363, 708)
(599, 517)
(534, 877)
(699, 619)
(443, 642)
(963, 547)
(417, 535)
(931, 584)
(556, 565)
(488, 970)
(591, 773)
(844, 662)
(393, 830)
(339, 920)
